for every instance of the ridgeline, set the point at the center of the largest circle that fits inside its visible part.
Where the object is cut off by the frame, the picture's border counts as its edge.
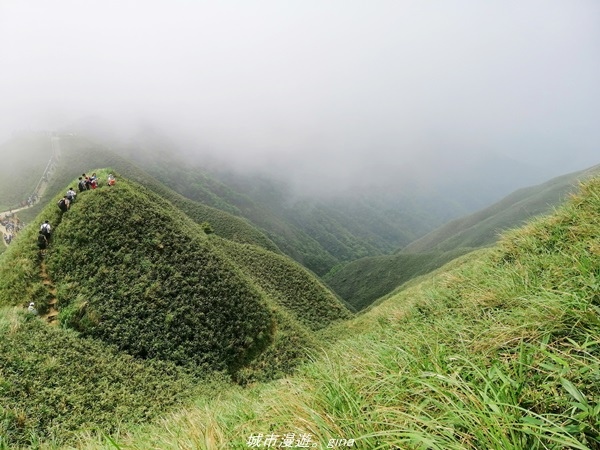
(135, 275)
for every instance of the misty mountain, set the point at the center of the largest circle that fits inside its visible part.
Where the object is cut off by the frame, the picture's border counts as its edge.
(321, 224)
(365, 280)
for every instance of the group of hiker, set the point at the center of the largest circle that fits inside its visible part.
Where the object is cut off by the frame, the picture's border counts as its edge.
(85, 183)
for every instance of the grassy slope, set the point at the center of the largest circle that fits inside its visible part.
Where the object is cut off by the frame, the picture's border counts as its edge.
(132, 270)
(298, 301)
(482, 228)
(135, 272)
(362, 282)
(54, 384)
(23, 162)
(498, 350)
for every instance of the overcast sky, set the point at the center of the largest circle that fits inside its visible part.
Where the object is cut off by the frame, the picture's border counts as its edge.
(338, 83)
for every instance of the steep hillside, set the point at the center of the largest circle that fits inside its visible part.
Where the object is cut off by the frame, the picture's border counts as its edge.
(300, 304)
(138, 277)
(365, 280)
(133, 271)
(498, 350)
(483, 227)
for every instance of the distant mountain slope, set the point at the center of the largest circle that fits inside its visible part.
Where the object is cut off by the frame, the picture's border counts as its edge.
(482, 228)
(318, 233)
(22, 163)
(363, 281)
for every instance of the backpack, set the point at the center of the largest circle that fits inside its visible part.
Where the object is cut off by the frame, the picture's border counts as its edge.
(42, 240)
(81, 186)
(62, 205)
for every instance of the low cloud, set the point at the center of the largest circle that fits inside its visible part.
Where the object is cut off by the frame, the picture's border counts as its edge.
(316, 90)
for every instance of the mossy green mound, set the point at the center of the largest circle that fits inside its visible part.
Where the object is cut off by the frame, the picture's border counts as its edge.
(133, 271)
(300, 303)
(137, 273)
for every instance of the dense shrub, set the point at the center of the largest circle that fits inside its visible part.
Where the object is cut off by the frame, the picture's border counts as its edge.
(52, 384)
(134, 271)
(289, 284)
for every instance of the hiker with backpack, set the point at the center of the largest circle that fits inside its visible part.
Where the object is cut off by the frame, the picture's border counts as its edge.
(71, 195)
(94, 181)
(81, 185)
(46, 230)
(63, 204)
(42, 242)
(31, 309)
(111, 180)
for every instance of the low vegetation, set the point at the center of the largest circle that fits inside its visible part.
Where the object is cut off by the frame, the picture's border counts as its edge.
(140, 284)
(300, 304)
(362, 282)
(53, 385)
(133, 271)
(496, 350)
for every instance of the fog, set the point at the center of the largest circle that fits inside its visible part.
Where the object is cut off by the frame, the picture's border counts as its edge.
(339, 89)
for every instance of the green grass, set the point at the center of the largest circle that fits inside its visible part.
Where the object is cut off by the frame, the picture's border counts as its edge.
(140, 284)
(54, 385)
(362, 282)
(500, 350)
(483, 227)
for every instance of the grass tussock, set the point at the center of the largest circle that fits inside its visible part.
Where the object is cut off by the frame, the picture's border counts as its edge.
(502, 350)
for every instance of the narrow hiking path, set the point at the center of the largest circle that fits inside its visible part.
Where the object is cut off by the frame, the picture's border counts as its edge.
(52, 315)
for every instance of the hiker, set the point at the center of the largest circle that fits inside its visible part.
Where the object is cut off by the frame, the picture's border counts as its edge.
(94, 181)
(31, 309)
(111, 180)
(63, 204)
(81, 184)
(42, 242)
(71, 195)
(46, 229)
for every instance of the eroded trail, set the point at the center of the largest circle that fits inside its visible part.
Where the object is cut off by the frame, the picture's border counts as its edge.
(52, 315)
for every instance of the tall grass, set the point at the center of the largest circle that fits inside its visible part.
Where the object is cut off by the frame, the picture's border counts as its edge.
(500, 351)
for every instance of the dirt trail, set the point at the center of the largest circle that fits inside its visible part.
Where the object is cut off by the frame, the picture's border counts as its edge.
(52, 315)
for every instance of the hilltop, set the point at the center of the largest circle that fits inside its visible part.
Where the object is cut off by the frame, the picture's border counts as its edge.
(78, 155)
(137, 276)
